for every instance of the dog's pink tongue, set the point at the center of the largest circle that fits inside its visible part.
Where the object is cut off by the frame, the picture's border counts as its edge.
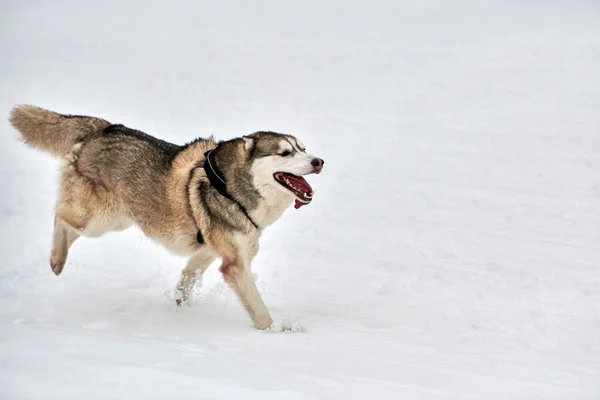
(299, 204)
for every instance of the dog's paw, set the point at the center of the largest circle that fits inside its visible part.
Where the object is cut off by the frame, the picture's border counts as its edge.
(181, 299)
(281, 326)
(57, 264)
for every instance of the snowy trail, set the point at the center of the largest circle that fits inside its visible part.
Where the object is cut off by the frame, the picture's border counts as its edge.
(156, 366)
(453, 247)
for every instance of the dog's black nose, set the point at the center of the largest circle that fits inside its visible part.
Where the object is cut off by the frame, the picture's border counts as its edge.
(317, 163)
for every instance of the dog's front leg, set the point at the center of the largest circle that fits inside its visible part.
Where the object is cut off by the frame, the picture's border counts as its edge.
(192, 272)
(239, 278)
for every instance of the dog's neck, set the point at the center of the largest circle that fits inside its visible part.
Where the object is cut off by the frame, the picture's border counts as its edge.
(218, 181)
(271, 206)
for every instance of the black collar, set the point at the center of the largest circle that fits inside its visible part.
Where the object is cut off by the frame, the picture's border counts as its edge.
(217, 180)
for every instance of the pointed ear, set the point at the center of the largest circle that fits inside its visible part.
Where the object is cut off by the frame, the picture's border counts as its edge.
(248, 143)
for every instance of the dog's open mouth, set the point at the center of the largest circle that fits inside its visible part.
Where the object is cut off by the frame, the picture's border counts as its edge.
(297, 185)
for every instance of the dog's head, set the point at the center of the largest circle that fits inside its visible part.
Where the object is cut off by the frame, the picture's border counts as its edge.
(279, 161)
(266, 163)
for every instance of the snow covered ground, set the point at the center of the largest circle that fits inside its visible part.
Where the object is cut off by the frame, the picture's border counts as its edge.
(453, 247)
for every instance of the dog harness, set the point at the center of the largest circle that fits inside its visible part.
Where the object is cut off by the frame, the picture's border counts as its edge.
(217, 180)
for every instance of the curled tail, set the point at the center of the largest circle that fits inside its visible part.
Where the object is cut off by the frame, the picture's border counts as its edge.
(51, 131)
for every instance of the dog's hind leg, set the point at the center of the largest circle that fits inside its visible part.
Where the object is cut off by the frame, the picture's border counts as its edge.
(62, 239)
(192, 273)
(82, 209)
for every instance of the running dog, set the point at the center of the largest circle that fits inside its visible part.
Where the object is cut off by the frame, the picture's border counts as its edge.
(205, 200)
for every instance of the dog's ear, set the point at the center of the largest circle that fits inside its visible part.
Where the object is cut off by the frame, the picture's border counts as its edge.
(248, 142)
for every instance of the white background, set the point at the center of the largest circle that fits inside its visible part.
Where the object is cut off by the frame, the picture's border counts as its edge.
(452, 250)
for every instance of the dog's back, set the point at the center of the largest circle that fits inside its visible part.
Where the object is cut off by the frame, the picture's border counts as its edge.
(132, 168)
(123, 156)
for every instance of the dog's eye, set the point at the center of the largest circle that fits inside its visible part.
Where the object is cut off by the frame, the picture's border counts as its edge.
(285, 153)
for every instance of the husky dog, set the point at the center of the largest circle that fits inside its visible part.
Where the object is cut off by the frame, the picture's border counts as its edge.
(205, 200)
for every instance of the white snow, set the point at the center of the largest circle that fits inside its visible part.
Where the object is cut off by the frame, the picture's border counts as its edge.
(453, 247)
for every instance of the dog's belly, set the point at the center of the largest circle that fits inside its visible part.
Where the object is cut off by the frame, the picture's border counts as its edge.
(183, 245)
(100, 225)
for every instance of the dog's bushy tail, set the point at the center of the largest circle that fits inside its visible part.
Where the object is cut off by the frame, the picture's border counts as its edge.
(53, 132)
